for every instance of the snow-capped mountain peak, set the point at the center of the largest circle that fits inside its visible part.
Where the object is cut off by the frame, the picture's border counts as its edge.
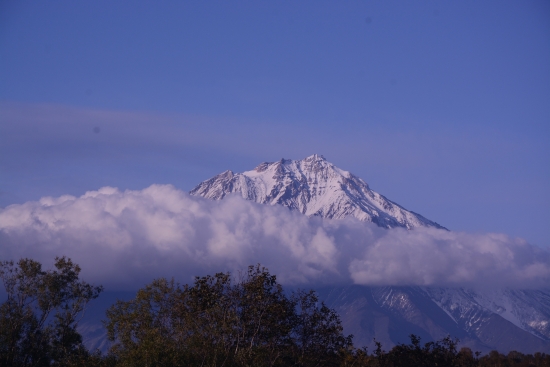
(312, 186)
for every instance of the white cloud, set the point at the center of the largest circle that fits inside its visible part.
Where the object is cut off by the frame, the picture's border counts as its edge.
(125, 239)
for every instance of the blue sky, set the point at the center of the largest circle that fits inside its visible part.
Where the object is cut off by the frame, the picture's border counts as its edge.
(443, 107)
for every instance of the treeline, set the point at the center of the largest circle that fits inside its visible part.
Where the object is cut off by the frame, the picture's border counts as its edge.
(219, 320)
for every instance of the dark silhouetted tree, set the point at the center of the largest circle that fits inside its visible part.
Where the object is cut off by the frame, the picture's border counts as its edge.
(38, 319)
(219, 321)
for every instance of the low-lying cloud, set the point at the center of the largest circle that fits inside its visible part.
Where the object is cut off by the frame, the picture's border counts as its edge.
(125, 239)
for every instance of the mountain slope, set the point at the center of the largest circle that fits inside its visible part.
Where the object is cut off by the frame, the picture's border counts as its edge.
(312, 186)
(496, 319)
(528, 310)
(391, 314)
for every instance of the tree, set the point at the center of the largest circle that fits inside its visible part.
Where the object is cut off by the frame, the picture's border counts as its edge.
(318, 332)
(145, 328)
(38, 320)
(219, 321)
(439, 353)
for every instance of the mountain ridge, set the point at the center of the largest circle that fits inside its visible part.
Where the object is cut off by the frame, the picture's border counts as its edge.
(314, 187)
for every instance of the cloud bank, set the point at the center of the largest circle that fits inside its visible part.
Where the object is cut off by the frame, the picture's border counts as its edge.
(125, 239)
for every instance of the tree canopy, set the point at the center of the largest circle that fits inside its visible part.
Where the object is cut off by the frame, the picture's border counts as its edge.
(221, 321)
(38, 320)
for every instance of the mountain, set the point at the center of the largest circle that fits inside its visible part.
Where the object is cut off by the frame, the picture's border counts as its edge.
(501, 319)
(391, 314)
(312, 186)
(498, 319)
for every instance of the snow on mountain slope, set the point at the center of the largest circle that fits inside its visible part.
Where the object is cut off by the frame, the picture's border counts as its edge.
(390, 314)
(312, 186)
(527, 309)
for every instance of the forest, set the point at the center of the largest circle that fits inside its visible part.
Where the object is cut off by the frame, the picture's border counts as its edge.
(243, 319)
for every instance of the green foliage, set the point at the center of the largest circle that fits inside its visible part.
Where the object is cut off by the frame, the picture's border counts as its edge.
(221, 322)
(39, 318)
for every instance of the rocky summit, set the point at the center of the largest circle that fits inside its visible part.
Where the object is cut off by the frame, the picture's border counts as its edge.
(314, 187)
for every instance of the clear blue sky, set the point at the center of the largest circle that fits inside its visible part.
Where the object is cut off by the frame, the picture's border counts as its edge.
(443, 107)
